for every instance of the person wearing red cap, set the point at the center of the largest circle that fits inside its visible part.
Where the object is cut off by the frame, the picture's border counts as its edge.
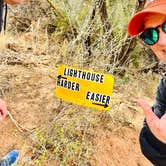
(150, 25)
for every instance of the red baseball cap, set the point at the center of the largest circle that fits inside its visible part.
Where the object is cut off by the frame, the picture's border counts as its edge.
(136, 24)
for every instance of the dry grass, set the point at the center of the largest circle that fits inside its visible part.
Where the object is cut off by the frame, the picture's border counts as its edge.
(58, 132)
(54, 132)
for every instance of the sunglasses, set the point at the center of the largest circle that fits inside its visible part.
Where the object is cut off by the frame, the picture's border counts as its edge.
(151, 35)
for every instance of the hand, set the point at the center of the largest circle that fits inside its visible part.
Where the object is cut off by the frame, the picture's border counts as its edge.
(3, 109)
(156, 125)
(12, 2)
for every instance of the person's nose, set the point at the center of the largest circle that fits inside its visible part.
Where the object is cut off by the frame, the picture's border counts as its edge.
(162, 38)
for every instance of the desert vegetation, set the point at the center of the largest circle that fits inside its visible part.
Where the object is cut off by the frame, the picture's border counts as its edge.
(89, 34)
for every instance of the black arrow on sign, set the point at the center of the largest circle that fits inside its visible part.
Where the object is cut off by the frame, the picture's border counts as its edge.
(104, 105)
(60, 76)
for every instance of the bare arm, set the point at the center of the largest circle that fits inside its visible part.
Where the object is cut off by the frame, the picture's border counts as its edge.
(12, 2)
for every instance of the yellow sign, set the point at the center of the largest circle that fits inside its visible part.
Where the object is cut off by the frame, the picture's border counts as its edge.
(84, 87)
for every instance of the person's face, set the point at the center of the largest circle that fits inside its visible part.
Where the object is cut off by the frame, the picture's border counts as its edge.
(158, 48)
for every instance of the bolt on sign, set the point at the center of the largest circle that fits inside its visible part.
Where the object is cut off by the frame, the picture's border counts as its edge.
(84, 87)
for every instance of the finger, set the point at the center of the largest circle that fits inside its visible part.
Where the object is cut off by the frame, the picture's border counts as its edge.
(2, 102)
(150, 116)
(155, 124)
(3, 113)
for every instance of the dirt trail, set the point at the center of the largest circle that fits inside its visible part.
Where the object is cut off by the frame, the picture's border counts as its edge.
(118, 148)
(31, 101)
(29, 93)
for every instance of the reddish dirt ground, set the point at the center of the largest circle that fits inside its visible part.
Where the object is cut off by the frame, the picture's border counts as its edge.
(119, 148)
(32, 103)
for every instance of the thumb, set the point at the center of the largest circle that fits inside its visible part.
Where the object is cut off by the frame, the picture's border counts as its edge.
(150, 116)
